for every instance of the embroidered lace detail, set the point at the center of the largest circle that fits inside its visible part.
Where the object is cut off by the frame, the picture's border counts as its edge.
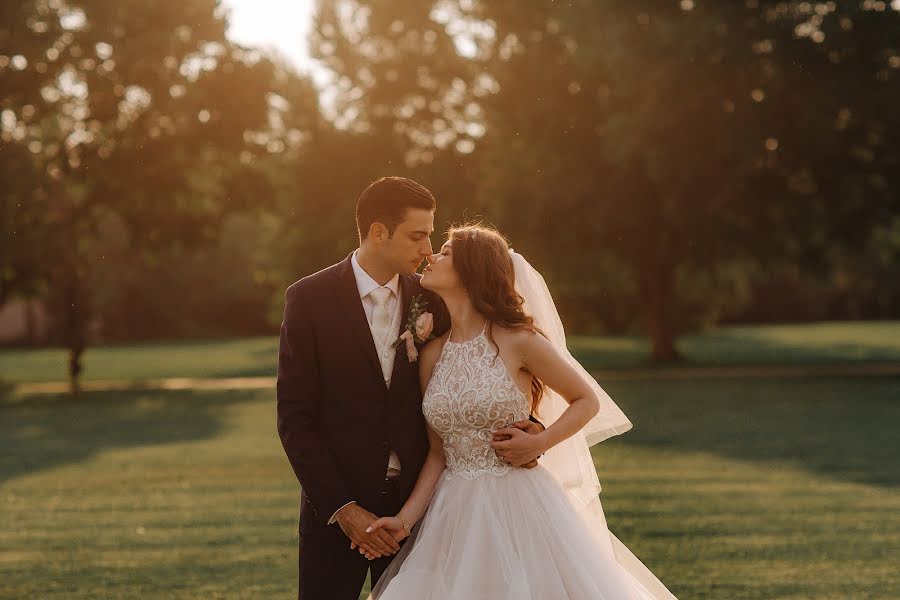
(470, 395)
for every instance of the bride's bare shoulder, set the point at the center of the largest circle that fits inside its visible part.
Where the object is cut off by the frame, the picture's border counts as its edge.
(516, 340)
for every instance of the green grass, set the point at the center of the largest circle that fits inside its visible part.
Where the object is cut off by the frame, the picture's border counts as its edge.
(247, 357)
(752, 489)
(760, 488)
(156, 495)
(804, 344)
(819, 343)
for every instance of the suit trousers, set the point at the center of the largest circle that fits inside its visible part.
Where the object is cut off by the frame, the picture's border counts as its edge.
(329, 569)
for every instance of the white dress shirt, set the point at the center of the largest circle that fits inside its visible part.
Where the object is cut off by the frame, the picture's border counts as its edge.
(365, 284)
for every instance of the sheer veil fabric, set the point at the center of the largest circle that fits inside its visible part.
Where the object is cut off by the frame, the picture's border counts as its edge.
(570, 462)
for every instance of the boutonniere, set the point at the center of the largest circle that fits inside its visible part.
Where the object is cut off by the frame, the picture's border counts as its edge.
(419, 324)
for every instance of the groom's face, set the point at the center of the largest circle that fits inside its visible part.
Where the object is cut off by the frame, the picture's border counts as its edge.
(411, 243)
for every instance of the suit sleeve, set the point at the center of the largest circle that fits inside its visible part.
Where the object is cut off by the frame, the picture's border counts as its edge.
(299, 395)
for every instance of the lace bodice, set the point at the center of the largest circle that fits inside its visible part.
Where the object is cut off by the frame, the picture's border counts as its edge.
(470, 395)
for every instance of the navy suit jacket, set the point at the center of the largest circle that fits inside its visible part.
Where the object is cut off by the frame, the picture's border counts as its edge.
(337, 419)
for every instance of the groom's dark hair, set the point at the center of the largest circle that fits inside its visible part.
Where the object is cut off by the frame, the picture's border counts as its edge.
(386, 200)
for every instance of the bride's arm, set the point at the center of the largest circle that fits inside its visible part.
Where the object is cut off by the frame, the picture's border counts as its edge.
(417, 503)
(541, 359)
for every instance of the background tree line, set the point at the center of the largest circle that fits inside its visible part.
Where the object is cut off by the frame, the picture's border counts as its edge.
(667, 164)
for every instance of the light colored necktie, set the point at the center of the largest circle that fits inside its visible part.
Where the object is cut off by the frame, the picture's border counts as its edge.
(381, 329)
(381, 334)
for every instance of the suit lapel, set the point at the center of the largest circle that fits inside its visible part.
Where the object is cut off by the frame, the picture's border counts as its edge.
(356, 316)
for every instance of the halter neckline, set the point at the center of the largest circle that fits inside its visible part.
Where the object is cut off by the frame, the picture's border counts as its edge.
(483, 329)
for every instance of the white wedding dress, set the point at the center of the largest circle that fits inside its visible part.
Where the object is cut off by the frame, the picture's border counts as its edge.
(494, 532)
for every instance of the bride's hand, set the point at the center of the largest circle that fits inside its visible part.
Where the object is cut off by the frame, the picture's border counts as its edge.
(517, 448)
(392, 525)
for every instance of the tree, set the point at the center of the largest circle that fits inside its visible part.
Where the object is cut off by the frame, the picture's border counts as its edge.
(401, 102)
(128, 109)
(684, 136)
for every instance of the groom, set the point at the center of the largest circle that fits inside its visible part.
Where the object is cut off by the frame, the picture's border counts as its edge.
(349, 404)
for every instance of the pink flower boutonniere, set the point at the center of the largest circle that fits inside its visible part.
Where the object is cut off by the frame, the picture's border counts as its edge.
(419, 325)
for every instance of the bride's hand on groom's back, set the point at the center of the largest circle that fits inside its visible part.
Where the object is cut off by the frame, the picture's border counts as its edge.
(354, 520)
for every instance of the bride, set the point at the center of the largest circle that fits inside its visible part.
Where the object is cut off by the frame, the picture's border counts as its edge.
(479, 528)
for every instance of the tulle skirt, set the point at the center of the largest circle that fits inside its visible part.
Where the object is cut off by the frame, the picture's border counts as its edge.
(516, 536)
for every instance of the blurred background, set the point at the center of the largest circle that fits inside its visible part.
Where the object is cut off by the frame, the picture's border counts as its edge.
(711, 189)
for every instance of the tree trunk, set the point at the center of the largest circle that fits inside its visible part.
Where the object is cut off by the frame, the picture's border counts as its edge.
(76, 316)
(75, 370)
(658, 290)
(31, 332)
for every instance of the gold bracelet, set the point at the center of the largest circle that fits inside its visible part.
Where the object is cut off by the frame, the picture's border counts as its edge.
(406, 526)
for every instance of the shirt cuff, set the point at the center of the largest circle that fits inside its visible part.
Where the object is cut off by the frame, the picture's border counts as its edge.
(331, 520)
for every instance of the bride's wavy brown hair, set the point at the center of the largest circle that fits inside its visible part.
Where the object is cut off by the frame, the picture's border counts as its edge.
(485, 268)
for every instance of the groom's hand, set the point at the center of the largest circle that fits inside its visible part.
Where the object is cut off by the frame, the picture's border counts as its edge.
(515, 448)
(528, 426)
(353, 520)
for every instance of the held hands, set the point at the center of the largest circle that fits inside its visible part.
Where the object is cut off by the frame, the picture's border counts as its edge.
(354, 521)
(395, 527)
(519, 445)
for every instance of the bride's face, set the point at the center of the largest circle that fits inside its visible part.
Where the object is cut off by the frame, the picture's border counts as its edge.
(439, 274)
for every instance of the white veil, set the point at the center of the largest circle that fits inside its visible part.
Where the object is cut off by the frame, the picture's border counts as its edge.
(570, 461)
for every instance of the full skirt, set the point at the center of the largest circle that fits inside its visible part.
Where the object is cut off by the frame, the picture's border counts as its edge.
(516, 536)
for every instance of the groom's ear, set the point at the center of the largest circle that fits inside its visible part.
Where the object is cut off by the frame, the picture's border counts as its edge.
(378, 232)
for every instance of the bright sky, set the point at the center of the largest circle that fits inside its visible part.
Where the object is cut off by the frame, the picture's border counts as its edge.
(282, 25)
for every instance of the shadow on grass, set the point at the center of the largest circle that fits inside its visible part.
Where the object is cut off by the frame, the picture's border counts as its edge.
(844, 428)
(44, 431)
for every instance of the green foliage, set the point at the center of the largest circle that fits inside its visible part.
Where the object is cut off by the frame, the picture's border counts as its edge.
(666, 165)
(132, 112)
(678, 139)
(656, 144)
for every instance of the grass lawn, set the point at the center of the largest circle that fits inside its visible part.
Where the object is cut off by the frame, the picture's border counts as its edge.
(207, 358)
(818, 343)
(806, 344)
(727, 489)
